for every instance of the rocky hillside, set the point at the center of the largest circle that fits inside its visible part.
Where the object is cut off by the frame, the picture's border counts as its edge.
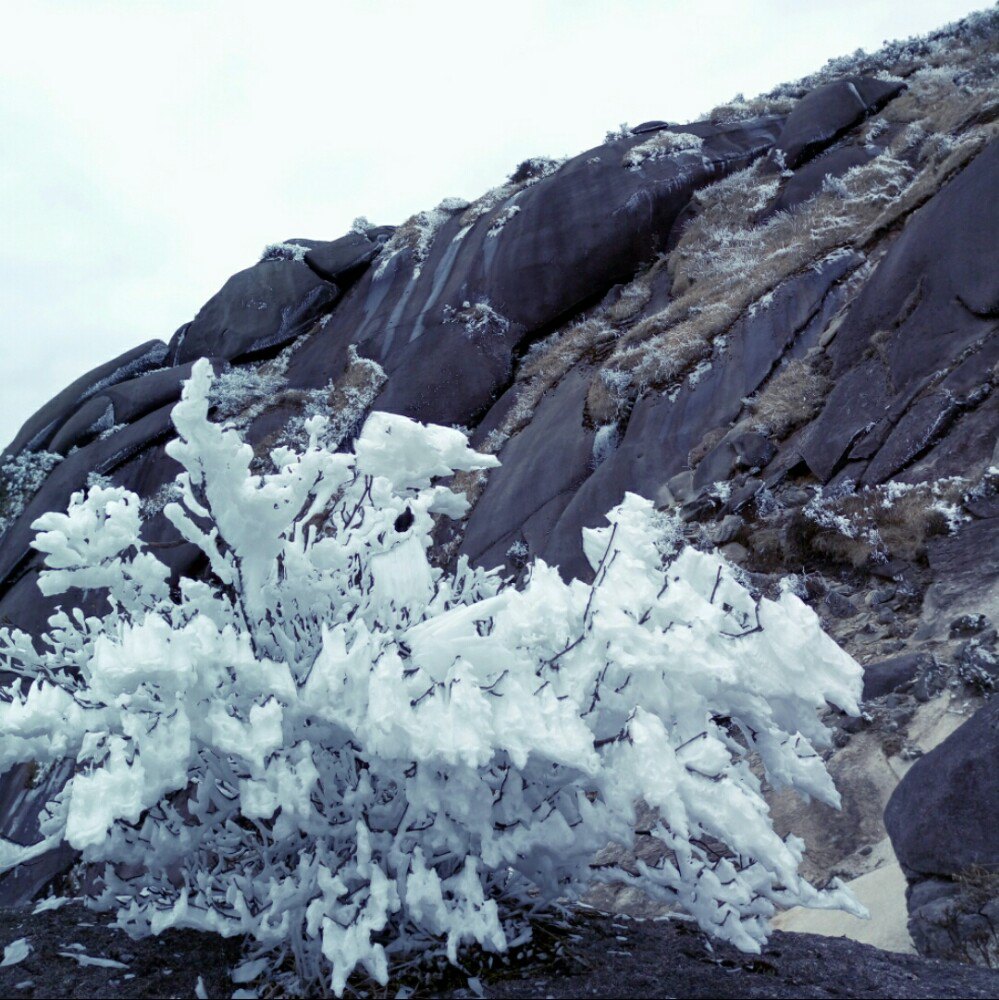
(780, 319)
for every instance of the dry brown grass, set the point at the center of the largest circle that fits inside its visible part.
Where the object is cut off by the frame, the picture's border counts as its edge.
(791, 397)
(544, 367)
(880, 523)
(725, 262)
(633, 299)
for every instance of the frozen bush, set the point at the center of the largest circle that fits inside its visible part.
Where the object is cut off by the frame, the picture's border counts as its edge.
(352, 758)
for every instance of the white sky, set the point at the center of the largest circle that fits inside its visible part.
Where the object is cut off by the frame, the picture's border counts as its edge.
(150, 149)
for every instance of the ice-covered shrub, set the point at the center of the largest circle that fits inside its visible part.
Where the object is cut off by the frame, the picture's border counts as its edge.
(877, 523)
(239, 388)
(345, 754)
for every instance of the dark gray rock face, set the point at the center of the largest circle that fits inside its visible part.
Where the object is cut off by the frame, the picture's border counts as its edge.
(344, 260)
(944, 815)
(942, 820)
(525, 502)
(826, 113)
(445, 327)
(663, 428)
(889, 675)
(120, 404)
(956, 921)
(263, 307)
(39, 429)
(934, 297)
(808, 180)
(606, 958)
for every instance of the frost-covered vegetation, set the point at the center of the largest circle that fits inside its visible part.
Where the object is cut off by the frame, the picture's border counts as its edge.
(791, 397)
(284, 251)
(968, 43)
(735, 250)
(355, 760)
(478, 320)
(660, 146)
(21, 476)
(237, 389)
(876, 523)
(529, 172)
(417, 234)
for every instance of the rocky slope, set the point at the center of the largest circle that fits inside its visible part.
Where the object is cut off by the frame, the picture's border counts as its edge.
(780, 320)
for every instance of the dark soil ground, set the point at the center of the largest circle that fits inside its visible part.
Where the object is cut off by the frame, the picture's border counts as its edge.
(594, 956)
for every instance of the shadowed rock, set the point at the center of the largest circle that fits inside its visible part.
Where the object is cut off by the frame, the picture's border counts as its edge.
(826, 113)
(39, 429)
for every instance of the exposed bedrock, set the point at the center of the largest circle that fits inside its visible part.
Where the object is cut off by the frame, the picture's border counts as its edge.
(660, 433)
(445, 321)
(942, 820)
(38, 430)
(826, 113)
(933, 297)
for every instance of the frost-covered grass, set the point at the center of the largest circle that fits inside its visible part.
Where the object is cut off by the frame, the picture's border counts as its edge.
(877, 523)
(661, 145)
(355, 761)
(284, 251)
(342, 405)
(417, 234)
(790, 398)
(529, 172)
(478, 319)
(969, 43)
(239, 388)
(726, 261)
(21, 477)
(543, 367)
(497, 225)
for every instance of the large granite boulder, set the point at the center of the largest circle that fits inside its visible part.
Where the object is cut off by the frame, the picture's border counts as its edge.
(944, 816)
(262, 307)
(39, 429)
(932, 300)
(826, 113)
(943, 820)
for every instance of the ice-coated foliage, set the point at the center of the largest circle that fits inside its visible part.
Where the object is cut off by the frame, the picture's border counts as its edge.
(479, 319)
(347, 755)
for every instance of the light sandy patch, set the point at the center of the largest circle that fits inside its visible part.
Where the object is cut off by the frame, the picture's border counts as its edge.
(882, 891)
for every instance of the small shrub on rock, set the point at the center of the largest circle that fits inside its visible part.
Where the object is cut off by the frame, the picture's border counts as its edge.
(353, 759)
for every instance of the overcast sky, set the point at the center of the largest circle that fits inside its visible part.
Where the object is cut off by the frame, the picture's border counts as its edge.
(151, 149)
